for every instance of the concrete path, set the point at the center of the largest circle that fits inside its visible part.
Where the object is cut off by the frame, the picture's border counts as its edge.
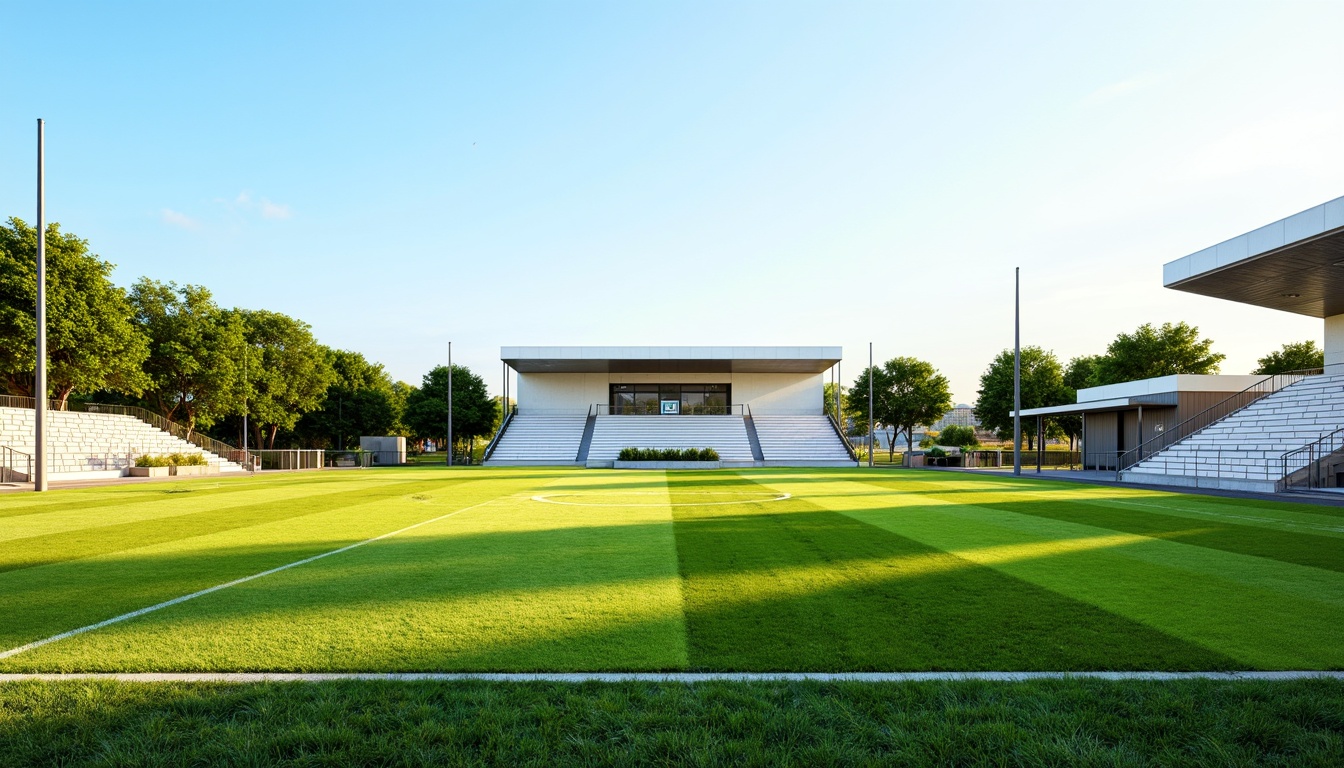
(652, 677)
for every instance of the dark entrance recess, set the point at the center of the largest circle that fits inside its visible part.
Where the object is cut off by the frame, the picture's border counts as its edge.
(694, 398)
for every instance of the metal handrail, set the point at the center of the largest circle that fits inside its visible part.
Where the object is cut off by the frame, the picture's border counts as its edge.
(503, 425)
(210, 444)
(1214, 413)
(1316, 451)
(849, 447)
(9, 471)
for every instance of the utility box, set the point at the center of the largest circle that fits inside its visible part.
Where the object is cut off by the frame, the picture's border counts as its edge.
(385, 451)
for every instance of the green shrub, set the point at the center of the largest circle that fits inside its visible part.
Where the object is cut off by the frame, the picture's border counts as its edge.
(936, 453)
(667, 454)
(172, 460)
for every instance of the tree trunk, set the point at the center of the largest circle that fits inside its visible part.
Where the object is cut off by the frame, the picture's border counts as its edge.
(275, 430)
(910, 447)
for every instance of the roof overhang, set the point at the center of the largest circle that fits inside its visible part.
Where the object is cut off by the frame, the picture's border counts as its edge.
(1162, 400)
(1295, 265)
(670, 359)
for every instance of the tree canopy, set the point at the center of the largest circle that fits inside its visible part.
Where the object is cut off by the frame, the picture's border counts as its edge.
(287, 371)
(359, 401)
(1042, 385)
(1299, 356)
(907, 393)
(1149, 352)
(195, 352)
(92, 342)
(475, 413)
(958, 435)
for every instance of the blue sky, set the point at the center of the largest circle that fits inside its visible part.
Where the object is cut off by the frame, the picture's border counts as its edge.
(399, 175)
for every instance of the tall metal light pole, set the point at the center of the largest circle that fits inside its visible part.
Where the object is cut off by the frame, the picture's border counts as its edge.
(40, 383)
(450, 403)
(247, 460)
(870, 404)
(1017, 370)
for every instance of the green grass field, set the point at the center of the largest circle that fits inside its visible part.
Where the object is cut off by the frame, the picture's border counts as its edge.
(767, 569)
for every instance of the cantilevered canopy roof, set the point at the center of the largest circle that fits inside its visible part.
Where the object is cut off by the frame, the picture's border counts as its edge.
(670, 359)
(1295, 264)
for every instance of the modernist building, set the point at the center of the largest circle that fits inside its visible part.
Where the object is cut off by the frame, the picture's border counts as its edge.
(756, 406)
(1270, 434)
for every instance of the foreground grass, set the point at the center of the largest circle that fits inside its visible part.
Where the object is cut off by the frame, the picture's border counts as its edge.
(1067, 722)
(536, 569)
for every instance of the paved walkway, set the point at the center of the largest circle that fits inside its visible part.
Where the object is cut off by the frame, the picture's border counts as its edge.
(653, 677)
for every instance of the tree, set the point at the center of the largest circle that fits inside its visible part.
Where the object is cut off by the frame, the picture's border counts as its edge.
(1302, 356)
(958, 435)
(1078, 374)
(92, 342)
(474, 411)
(1149, 352)
(195, 353)
(287, 372)
(907, 393)
(1042, 385)
(360, 401)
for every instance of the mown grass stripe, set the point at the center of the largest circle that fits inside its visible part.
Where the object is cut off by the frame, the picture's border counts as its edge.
(177, 600)
(793, 586)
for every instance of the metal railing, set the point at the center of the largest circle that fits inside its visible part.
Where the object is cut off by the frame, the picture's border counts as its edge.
(15, 466)
(849, 447)
(210, 444)
(494, 441)
(654, 409)
(1202, 465)
(1214, 413)
(1308, 468)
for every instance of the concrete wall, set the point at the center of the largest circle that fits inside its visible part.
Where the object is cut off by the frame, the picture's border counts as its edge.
(766, 393)
(1334, 344)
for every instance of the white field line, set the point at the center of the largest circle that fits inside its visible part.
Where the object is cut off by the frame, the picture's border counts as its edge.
(226, 585)
(652, 677)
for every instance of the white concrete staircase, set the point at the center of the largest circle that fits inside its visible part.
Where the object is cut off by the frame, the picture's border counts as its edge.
(725, 434)
(1244, 450)
(539, 440)
(96, 445)
(800, 441)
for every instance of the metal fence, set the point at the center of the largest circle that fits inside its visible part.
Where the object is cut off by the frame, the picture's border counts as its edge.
(284, 459)
(999, 457)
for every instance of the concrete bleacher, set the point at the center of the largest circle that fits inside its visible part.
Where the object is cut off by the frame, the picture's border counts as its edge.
(1244, 450)
(725, 434)
(96, 445)
(800, 441)
(539, 440)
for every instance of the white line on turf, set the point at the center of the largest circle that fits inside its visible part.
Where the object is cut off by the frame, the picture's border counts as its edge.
(653, 677)
(226, 585)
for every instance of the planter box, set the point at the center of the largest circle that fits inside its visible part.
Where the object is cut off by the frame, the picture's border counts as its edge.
(151, 471)
(192, 470)
(667, 464)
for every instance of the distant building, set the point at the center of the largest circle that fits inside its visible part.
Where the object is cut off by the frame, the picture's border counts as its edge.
(961, 415)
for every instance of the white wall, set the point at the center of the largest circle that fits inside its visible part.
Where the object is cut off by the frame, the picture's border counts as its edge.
(766, 393)
(1334, 343)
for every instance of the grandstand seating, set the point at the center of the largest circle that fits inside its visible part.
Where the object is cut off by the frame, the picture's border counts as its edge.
(1244, 450)
(96, 445)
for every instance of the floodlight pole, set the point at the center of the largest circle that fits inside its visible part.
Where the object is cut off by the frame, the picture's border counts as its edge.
(40, 383)
(450, 403)
(1017, 371)
(870, 404)
(247, 462)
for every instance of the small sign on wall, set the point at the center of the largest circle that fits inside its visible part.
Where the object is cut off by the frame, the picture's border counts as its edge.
(671, 407)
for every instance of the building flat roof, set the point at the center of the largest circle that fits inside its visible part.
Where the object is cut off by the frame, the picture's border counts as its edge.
(1294, 264)
(670, 359)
